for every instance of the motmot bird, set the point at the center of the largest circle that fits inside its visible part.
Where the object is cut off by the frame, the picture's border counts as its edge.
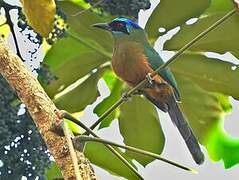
(133, 60)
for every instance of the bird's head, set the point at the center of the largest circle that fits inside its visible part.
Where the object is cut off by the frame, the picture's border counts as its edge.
(120, 27)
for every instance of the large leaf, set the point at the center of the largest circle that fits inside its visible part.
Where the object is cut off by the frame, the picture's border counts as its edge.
(70, 60)
(40, 15)
(82, 25)
(75, 56)
(221, 40)
(139, 125)
(211, 74)
(205, 112)
(99, 155)
(201, 80)
(203, 109)
(172, 13)
(81, 94)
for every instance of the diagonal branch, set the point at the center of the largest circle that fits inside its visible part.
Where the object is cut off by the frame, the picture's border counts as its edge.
(77, 143)
(68, 116)
(165, 65)
(85, 10)
(42, 111)
(82, 138)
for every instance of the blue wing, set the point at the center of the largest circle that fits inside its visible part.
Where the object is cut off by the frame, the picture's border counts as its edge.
(155, 61)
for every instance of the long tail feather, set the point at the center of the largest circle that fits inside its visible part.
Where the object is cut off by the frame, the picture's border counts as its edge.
(185, 130)
(178, 119)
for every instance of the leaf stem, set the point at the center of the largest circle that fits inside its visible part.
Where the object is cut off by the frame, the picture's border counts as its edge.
(112, 149)
(170, 61)
(83, 138)
(85, 10)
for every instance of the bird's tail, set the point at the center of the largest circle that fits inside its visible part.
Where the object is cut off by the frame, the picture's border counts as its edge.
(185, 130)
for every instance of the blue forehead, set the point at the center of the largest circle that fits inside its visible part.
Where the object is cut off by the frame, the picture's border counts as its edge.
(129, 22)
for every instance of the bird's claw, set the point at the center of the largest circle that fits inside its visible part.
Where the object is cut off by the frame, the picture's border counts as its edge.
(149, 78)
(125, 96)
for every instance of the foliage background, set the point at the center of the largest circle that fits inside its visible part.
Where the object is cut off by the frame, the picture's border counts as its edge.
(174, 147)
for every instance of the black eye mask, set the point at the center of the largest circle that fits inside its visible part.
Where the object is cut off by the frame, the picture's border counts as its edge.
(119, 26)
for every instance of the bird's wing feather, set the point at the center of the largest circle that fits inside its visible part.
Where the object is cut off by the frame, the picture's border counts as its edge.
(156, 61)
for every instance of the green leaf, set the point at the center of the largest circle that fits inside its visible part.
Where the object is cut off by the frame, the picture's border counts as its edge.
(82, 25)
(53, 172)
(80, 52)
(172, 13)
(221, 40)
(202, 108)
(202, 81)
(99, 155)
(110, 78)
(80, 94)
(139, 125)
(205, 112)
(222, 146)
(115, 85)
(73, 127)
(70, 60)
(210, 74)
(107, 103)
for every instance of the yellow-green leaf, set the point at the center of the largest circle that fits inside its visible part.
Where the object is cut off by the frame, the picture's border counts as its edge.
(40, 15)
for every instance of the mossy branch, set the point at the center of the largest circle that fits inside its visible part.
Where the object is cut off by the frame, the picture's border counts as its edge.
(42, 111)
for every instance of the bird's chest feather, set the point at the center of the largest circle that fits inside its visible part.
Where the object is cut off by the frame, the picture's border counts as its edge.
(130, 63)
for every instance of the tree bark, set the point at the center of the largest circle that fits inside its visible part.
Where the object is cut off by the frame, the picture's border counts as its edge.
(42, 111)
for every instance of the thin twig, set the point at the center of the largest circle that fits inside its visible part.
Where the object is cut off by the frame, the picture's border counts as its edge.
(7, 8)
(83, 138)
(113, 150)
(72, 152)
(85, 10)
(170, 61)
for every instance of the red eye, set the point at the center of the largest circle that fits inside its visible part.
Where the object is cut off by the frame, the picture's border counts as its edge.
(119, 25)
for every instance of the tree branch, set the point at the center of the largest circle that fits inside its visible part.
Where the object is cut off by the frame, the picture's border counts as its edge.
(73, 119)
(81, 138)
(85, 10)
(42, 111)
(170, 61)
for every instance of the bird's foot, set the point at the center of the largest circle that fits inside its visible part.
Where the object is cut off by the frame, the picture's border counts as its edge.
(125, 96)
(150, 78)
(137, 92)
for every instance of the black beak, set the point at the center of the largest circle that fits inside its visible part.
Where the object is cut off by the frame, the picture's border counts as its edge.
(104, 26)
